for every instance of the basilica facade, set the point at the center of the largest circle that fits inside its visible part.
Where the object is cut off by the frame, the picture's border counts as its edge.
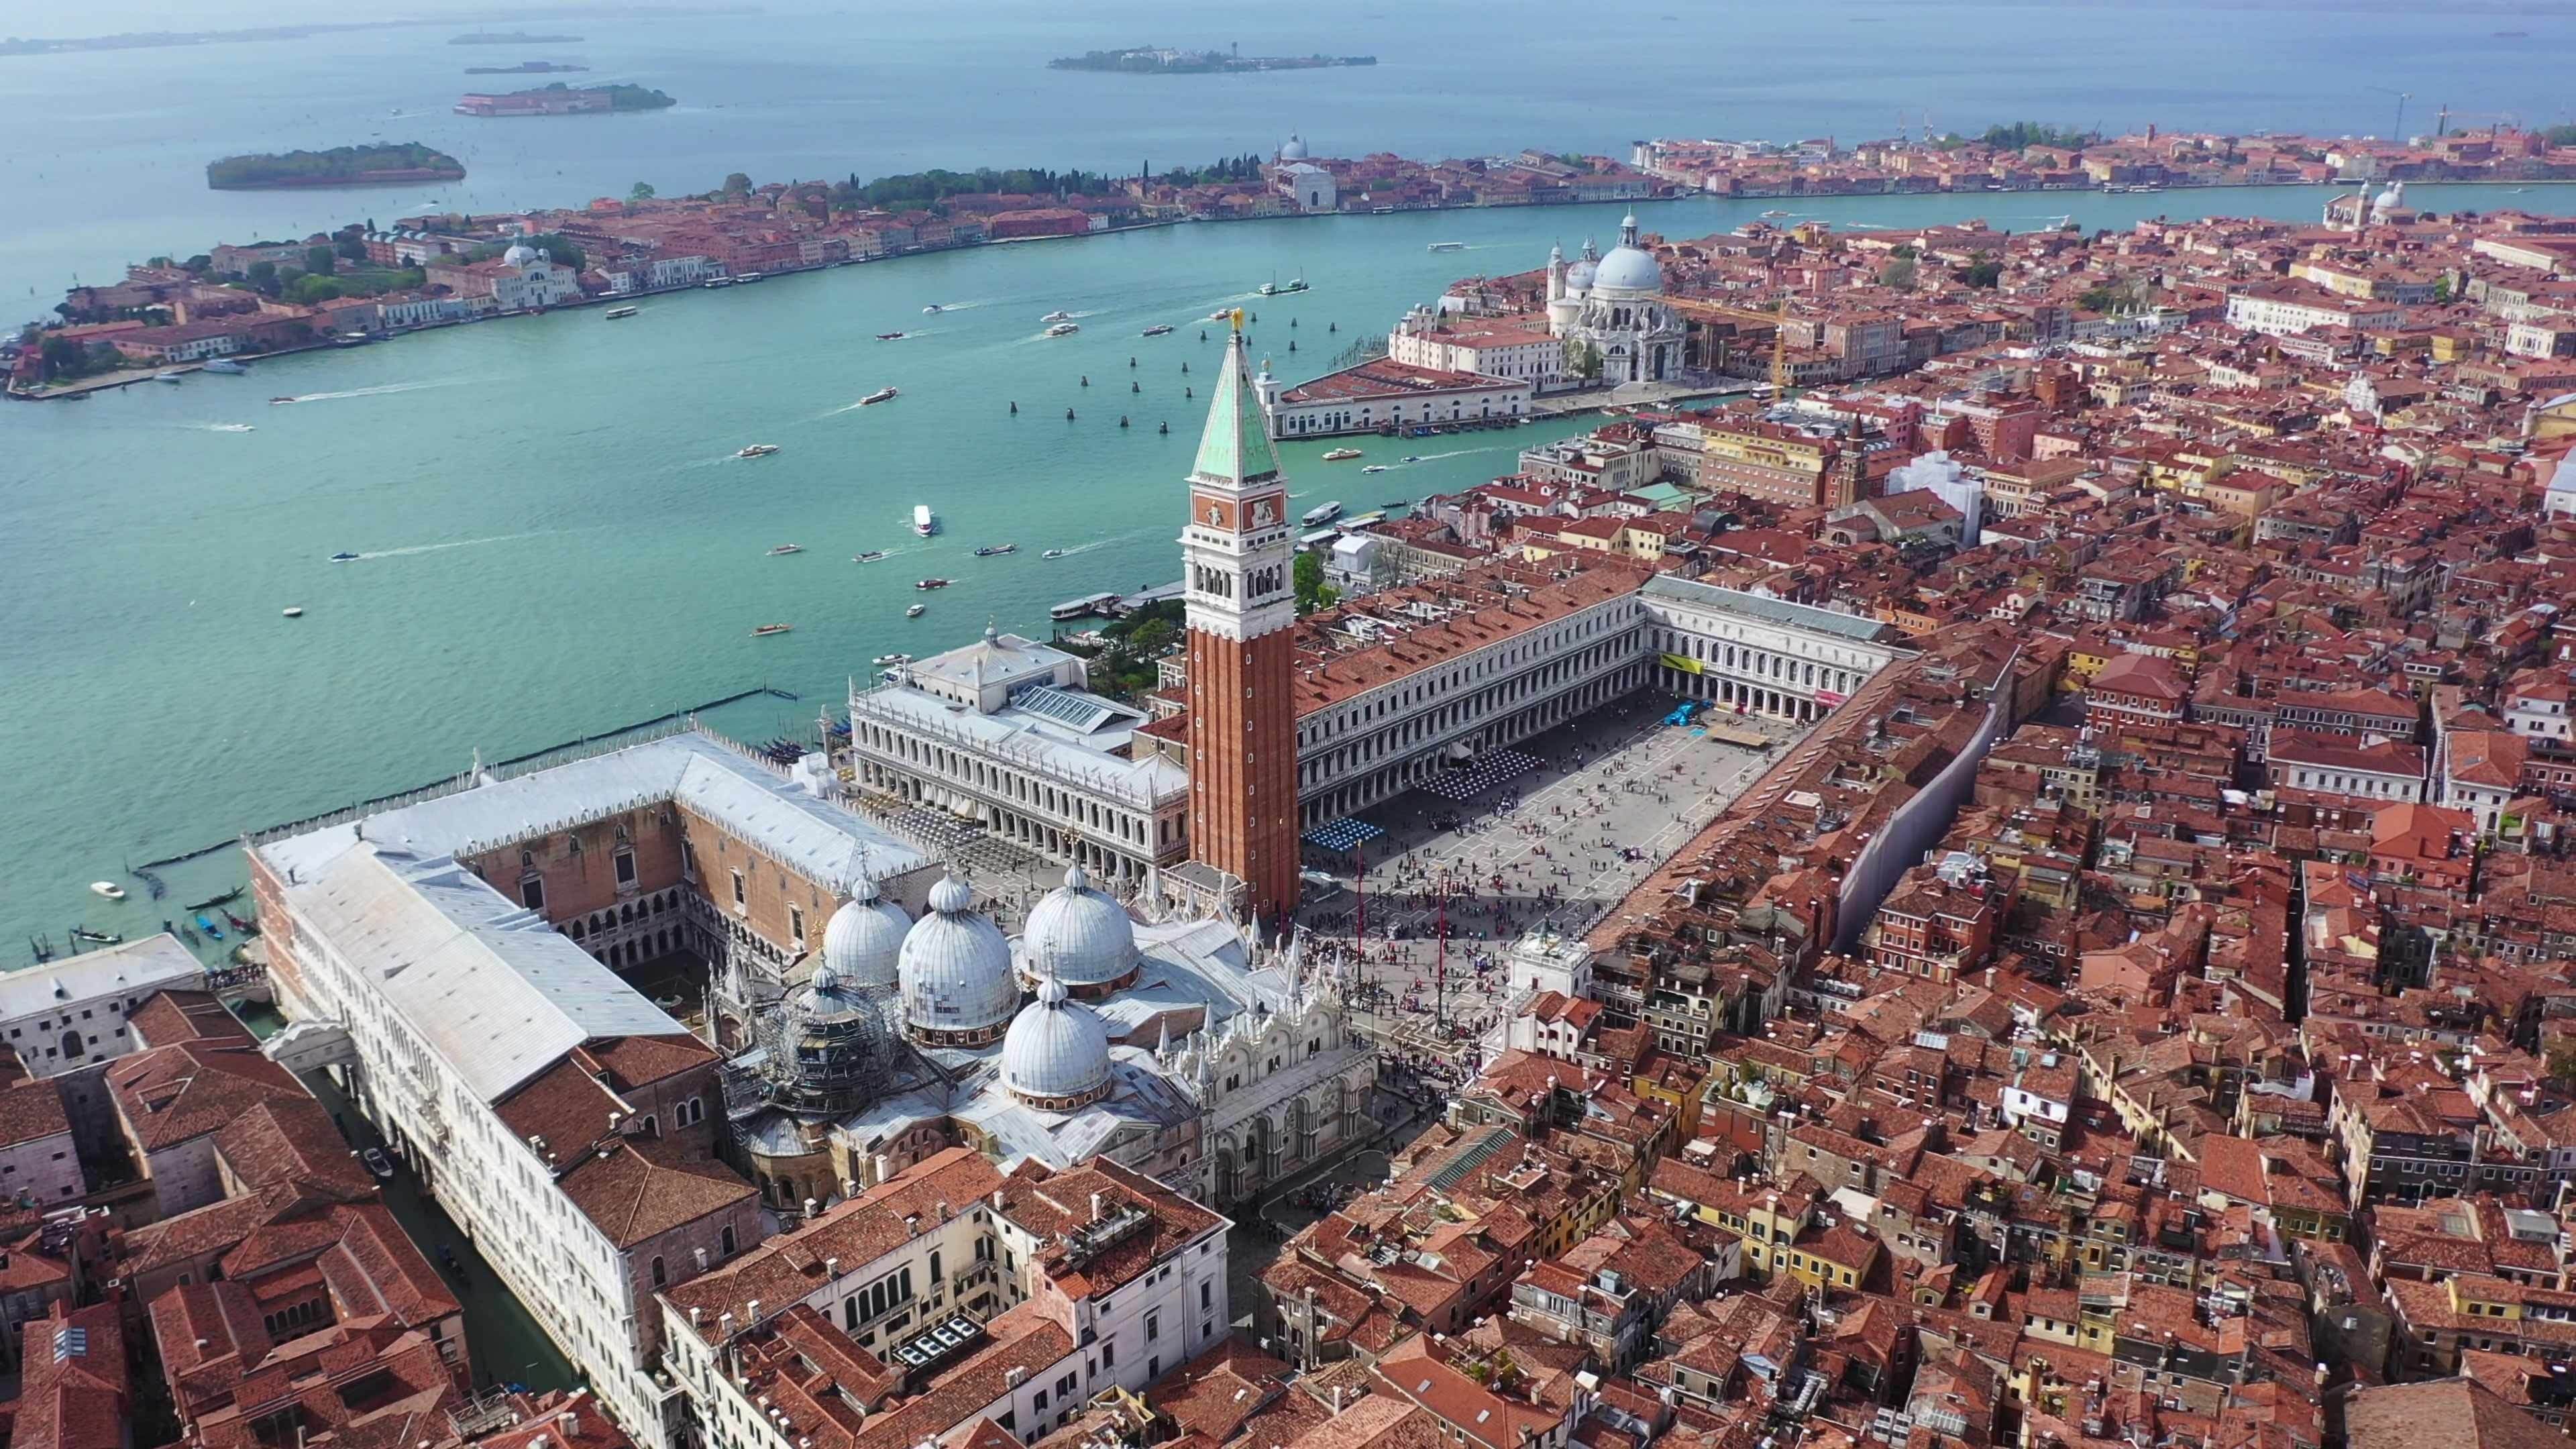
(1609, 313)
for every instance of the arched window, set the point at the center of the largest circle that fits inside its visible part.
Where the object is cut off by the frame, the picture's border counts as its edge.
(659, 1276)
(73, 1045)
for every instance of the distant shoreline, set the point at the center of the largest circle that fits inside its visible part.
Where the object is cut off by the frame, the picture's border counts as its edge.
(401, 164)
(166, 39)
(1163, 60)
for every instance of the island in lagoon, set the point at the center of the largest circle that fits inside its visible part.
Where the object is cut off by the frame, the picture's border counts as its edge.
(1163, 60)
(559, 99)
(511, 37)
(526, 67)
(400, 164)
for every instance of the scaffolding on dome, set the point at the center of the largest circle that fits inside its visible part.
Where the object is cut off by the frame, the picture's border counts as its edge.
(829, 1051)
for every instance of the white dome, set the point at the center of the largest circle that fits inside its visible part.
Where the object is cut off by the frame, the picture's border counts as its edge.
(1628, 269)
(1057, 1048)
(521, 254)
(955, 967)
(1293, 149)
(1578, 277)
(1079, 934)
(863, 941)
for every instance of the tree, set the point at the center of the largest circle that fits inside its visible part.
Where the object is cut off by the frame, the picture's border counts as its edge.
(1898, 273)
(1984, 272)
(640, 191)
(313, 287)
(352, 247)
(61, 357)
(263, 278)
(737, 184)
(1584, 360)
(321, 261)
(1312, 592)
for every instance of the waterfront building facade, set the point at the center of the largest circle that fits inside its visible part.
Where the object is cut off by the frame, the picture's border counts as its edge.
(1389, 392)
(1005, 732)
(61, 1016)
(449, 960)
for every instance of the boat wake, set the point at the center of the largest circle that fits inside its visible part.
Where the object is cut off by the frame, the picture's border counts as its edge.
(218, 427)
(965, 306)
(457, 543)
(386, 390)
(1100, 543)
(1456, 453)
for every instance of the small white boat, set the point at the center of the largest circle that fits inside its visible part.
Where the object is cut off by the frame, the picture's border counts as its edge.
(765, 630)
(884, 659)
(871, 556)
(1337, 455)
(756, 450)
(1448, 246)
(1374, 468)
(883, 394)
(933, 308)
(1057, 317)
(1220, 314)
(108, 888)
(787, 548)
(294, 611)
(1052, 553)
(1064, 329)
(170, 377)
(915, 611)
(614, 313)
(1774, 214)
(226, 366)
(1159, 329)
(922, 521)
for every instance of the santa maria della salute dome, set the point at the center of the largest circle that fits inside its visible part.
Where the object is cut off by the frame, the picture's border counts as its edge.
(1186, 1049)
(1611, 309)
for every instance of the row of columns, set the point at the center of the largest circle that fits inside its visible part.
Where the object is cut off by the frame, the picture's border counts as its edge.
(1397, 776)
(1777, 703)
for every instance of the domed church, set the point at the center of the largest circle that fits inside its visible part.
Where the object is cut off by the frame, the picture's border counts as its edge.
(1186, 1050)
(1613, 308)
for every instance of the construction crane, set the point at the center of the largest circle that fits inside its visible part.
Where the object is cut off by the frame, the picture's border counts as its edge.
(1780, 352)
(2399, 134)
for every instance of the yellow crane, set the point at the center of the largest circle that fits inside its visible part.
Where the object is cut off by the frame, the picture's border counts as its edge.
(1780, 351)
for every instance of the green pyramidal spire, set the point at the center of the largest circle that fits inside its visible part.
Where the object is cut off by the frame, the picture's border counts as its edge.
(1235, 449)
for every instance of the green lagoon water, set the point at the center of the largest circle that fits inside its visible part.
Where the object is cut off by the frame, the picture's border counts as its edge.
(556, 538)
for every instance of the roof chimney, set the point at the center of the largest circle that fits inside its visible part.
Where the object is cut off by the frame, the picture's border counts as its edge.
(1095, 1207)
(810, 1205)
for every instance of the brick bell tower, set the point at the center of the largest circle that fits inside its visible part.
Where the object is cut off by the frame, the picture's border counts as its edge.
(1242, 601)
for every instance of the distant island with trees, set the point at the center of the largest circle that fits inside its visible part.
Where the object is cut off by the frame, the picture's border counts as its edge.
(511, 37)
(390, 165)
(1162, 60)
(559, 99)
(526, 67)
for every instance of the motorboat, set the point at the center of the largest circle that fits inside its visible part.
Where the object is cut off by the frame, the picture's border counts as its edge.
(1448, 246)
(107, 888)
(293, 611)
(1282, 289)
(226, 366)
(884, 659)
(991, 549)
(1052, 553)
(892, 336)
(614, 313)
(932, 583)
(883, 394)
(1063, 329)
(344, 556)
(787, 548)
(1374, 468)
(1322, 513)
(1774, 214)
(1159, 329)
(1057, 317)
(871, 556)
(273, 402)
(1220, 314)
(767, 629)
(922, 521)
(916, 611)
(95, 938)
(756, 450)
(1339, 455)
(933, 309)
(1409, 458)
(751, 276)
(169, 377)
